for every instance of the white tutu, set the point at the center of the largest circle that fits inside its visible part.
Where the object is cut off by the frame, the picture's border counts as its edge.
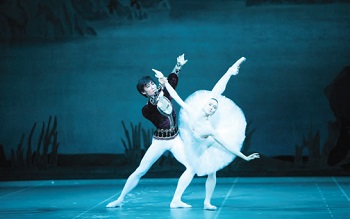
(206, 156)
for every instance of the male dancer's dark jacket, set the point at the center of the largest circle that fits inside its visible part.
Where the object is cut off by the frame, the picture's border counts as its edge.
(166, 124)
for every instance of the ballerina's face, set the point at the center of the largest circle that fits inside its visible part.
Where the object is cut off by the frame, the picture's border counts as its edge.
(210, 107)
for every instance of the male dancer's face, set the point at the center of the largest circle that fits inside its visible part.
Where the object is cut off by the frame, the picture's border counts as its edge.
(150, 89)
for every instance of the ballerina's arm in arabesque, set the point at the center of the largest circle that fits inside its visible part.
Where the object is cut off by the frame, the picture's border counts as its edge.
(201, 123)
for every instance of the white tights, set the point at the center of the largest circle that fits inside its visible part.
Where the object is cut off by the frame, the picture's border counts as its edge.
(157, 148)
(209, 189)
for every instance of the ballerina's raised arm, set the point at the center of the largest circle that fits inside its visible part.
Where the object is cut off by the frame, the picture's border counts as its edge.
(170, 89)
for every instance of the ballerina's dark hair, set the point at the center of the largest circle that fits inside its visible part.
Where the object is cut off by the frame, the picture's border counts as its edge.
(215, 100)
(142, 83)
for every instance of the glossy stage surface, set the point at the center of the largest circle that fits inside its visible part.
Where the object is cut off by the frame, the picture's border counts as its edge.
(240, 197)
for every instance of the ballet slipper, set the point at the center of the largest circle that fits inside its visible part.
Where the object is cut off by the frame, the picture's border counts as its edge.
(179, 204)
(208, 206)
(114, 204)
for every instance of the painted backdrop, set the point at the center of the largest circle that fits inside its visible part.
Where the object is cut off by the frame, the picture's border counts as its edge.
(293, 52)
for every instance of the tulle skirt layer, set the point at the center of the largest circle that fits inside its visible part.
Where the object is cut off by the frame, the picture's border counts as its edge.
(205, 155)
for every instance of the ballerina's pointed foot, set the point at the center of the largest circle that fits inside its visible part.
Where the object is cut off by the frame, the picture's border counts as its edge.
(239, 61)
(209, 207)
(114, 204)
(233, 70)
(179, 204)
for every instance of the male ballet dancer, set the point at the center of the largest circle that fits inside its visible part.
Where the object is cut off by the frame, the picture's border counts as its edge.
(160, 111)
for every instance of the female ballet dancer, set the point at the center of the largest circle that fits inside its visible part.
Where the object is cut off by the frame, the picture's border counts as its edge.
(212, 128)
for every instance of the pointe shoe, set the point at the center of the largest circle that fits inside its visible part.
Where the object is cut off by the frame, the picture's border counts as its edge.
(114, 204)
(239, 61)
(209, 207)
(179, 204)
(235, 67)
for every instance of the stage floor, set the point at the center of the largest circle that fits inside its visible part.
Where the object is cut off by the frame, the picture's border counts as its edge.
(240, 197)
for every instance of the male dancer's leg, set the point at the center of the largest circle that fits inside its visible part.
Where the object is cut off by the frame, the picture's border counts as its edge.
(152, 154)
(209, 189)
(185, 179)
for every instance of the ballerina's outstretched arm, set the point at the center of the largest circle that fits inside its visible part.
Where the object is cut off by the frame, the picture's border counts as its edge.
(171, 90)
(238, 153)
(220, 86)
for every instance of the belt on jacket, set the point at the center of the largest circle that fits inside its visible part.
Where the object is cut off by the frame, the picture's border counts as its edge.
(166, 134)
